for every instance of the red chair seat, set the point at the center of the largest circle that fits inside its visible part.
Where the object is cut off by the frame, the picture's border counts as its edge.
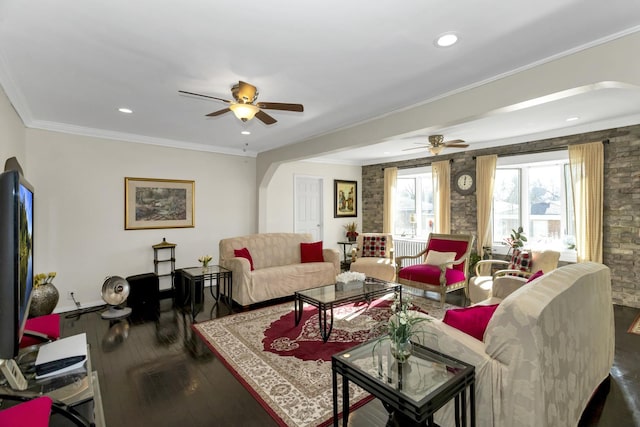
(48, 325)
(32, 413)
(430, 274)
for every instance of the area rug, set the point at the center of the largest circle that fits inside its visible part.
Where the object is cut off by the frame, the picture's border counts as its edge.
(287, 368)
(635, 326)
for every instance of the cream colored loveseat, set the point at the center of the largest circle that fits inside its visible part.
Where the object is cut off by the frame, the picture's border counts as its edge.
(278, 271)
(548, 346)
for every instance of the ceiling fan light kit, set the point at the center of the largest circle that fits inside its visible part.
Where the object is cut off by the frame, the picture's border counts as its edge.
(435, 150)
(244, 106)
(437, 144)
(244, 111)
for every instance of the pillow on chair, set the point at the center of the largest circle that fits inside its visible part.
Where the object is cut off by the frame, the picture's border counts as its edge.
(437, 258)
(374, 246)
(535, 275)
(520, 260)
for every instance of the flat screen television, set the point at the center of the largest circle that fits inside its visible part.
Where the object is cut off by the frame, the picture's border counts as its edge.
(16, 268)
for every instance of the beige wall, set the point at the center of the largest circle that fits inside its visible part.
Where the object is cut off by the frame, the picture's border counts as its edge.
(280, 198)
(12, 134)
(79, 223)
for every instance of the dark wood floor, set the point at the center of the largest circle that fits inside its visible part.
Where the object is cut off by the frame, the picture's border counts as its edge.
(158, 373)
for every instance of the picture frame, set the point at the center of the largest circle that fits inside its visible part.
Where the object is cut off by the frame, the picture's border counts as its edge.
(158, 203)
(345, 198)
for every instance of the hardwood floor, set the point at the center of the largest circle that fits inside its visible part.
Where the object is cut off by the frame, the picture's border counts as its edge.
(158, 373)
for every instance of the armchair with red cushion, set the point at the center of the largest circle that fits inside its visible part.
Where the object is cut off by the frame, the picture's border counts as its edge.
(41, 329)
(445, 266)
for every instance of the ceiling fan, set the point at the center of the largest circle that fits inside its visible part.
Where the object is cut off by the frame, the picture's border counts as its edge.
(245, 106)
(437, 144)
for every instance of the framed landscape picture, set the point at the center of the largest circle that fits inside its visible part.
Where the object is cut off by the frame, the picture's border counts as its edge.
(345, 198)
(158, 203)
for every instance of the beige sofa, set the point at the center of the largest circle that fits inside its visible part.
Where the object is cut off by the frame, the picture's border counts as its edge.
(548, 346)
(278, 271)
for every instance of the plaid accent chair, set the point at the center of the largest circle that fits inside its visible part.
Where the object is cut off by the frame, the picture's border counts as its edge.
(373, 256)
(522, 265)
(445, 265)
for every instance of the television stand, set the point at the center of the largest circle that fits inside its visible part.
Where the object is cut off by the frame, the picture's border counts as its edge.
(78, 389)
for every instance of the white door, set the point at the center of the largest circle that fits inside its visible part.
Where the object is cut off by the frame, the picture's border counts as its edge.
(308, 206)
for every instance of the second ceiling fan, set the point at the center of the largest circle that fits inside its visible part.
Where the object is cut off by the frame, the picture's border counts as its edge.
(245, 106)
(437, 144)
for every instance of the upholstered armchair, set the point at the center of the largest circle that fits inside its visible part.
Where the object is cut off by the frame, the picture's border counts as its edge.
(373, 256)
(444, 267)
(514, 273)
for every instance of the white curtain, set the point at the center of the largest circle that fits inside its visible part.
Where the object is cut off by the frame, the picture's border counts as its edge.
(587, 180)
(485, 179)
(390, 177)
(442, 195)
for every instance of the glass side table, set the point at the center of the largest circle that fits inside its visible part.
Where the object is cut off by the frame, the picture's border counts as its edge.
(415, 389)
(221, 275)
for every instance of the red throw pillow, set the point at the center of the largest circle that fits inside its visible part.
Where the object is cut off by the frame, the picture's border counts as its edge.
(244, 253)
(535, 275)
(471, 320)
(311, 252)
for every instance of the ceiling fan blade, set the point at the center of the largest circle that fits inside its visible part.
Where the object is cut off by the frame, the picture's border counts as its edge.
(204, 96)
(281, 106)
(455, 141)
(219, 112)
(456, 145)
(423, 147)
(246, 93)
(265, 118)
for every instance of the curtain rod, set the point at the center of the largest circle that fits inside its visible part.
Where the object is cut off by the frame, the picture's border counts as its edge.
(542, 150)
(419, 165)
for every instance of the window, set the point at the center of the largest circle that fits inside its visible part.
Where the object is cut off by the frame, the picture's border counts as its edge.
(413, 210)
(534, 191)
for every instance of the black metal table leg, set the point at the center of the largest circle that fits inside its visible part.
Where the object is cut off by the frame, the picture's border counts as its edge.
(335, 396)
(345, 401)
(322, 319)
(297, 308)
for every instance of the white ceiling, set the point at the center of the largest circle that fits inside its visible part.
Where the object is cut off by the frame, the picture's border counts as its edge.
(69, 65)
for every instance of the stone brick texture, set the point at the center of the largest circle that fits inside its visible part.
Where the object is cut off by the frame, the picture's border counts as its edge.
(621, 231)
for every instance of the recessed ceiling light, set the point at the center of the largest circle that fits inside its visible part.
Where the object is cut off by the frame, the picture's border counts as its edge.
(245, 132)
(573, 119)
(125, 110)
(446, 40)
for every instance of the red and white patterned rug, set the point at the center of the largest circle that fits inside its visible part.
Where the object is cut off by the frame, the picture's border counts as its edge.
(287, 368)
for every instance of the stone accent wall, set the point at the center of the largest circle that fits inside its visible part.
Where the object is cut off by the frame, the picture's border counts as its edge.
(621, 199)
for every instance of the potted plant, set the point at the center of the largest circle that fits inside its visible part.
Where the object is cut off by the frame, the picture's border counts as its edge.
(351, 231)
(516, 239)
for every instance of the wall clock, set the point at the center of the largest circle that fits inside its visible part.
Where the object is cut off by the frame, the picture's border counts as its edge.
(465, 182)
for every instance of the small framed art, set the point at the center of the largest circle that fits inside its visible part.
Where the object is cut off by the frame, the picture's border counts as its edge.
(158, 203)
(345, 198)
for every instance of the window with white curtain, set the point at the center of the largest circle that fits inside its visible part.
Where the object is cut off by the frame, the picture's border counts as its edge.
(534, 191)
(413, 206)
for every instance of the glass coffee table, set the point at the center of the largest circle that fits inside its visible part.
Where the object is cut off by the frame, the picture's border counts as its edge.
(327, 297)
(412, 391)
